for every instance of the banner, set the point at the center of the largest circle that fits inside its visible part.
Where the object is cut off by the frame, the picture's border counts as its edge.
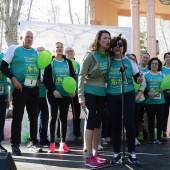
(79, 37)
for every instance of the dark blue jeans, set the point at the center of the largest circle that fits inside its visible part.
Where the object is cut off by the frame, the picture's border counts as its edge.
(3, 103)
(44, 117)
(115, 108)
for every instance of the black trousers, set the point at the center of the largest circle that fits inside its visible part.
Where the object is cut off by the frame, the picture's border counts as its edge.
(75, 105)
(153, 110)
(166, 113)
(27, 97)
(44, 117)
(63, 105)
(96, 105)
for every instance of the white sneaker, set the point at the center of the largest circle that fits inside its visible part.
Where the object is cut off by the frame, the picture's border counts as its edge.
(137, 143)
(100, 147)
(108, 139)
(104, 141)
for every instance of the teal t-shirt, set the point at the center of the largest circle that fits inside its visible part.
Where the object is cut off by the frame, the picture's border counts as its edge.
(103, 63)
(60, 69)
(42, 88)
(77, 72)
(114, 78)
(24, 66)
(3, 79)
(166, 71)
(144, 69)
(153, 82)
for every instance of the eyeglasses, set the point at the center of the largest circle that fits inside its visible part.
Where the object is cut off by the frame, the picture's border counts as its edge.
(119, 45)
(153, 63)
(70, 51)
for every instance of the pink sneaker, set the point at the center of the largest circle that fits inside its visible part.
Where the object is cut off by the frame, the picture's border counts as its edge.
(92, 162)
(63, 147)
(100, 159)
(51, 148)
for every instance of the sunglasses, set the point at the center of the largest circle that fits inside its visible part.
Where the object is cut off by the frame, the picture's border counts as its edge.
(119, 45)
(153, 63)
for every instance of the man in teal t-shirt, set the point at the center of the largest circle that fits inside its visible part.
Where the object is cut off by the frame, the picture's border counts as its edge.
(24, 74)
(3, 103)
(75, 105)
(43, 109)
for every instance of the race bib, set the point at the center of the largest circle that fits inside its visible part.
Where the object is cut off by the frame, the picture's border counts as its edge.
(157, 96)
(30, 81)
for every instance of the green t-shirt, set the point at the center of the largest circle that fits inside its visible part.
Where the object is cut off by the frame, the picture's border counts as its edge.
(60, 69)
(3, 79)
(23, 64)
(114, 78)
(42, 88)
(153, 82)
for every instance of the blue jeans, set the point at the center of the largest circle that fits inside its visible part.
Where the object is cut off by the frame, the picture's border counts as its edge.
(3, 103)
(44, 117)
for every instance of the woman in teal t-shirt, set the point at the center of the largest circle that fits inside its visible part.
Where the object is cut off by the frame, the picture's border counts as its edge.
(59, 68)
(155, 100)
(3, 103)
(166, 71)
(114, 99)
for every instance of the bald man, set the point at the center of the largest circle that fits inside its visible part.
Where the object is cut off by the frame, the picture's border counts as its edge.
(24, 74)
(43, 109)
(76, 109)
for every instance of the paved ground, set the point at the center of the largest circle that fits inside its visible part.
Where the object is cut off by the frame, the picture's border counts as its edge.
(152, 157)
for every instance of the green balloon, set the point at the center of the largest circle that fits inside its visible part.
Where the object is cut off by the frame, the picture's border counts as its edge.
(136, 86)
(26, 136)
(69, 85)
(165, 84)
(44, 59)
(74, 64)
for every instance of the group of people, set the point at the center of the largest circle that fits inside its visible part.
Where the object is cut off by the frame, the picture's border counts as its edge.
(106, 75)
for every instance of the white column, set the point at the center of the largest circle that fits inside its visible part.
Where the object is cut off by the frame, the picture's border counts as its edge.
(135, 28)
(151, 33)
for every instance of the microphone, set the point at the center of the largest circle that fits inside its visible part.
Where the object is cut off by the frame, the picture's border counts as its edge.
(114, 44)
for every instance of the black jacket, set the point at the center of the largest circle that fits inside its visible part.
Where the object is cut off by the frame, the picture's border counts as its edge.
(48, 78)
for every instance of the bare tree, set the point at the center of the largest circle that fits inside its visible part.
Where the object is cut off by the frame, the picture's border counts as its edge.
(70, 12)
(10, 12)
(29, 10)
(86, 13)
(1, 34)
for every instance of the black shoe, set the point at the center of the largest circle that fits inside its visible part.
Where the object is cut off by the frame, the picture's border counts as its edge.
(2, 149)
(132, 159)
(44, 144)
(117, 159)
(151, 142)
(78, 140)
(35, 149)
(16, 151)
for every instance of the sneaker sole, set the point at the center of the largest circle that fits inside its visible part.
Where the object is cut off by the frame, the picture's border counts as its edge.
(63, 151)
(92, 166)
(102, 162)
(131, 163)
(32, 150)
(49, 151)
